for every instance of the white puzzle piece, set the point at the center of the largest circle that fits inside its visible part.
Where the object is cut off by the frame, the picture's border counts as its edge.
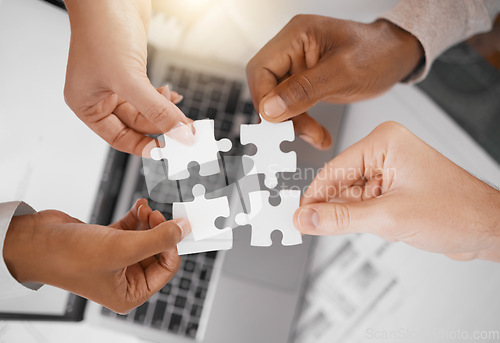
(265, 218)
(188, 245)
(201, 213)
(204, 151)
(269, 159)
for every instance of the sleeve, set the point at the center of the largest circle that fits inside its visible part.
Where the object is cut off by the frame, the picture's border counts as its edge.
(9, 286)
(440, 24)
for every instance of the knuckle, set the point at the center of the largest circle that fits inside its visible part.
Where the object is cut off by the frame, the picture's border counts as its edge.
(54, 216)
(171, 263)
(300, 88)
(299, 19)
(156, 113)
(117, 140)
(393, 129)
(121, 308)
(390, 126)
(340, 218)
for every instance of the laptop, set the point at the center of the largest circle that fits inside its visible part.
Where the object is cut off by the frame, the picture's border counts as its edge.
(246, 294)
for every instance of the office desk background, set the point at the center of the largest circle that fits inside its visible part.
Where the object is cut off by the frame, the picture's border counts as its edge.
(52, 160)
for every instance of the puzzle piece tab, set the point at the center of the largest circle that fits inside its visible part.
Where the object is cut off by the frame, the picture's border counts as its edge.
(269, 159)
(204, 151)
(201, 213)
(265, 218)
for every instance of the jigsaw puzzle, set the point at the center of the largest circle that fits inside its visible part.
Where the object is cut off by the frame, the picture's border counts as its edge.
(269, 159)
(201, 213)
(265, 218)
(204, 151)
(245, 200)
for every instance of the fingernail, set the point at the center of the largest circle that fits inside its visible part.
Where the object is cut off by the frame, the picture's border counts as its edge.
(184, 225)
(177, 98)
(166, 92)
(307, 139)
(274, 106)
(181, 133)
(308, 219)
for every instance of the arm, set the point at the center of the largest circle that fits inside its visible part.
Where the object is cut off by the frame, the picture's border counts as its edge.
(9, 286)
(106, 82)
(117, 266)
(394, 185)
(315, 58)
(439, 25)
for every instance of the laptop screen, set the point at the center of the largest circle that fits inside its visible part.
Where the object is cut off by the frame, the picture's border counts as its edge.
(46, 301)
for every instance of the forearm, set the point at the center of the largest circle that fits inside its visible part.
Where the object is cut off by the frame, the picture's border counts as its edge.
(491, 224)
(439, 25)
(10, 285)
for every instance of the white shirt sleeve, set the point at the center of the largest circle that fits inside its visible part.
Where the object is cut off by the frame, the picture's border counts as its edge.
(440, 24)
(9, 286)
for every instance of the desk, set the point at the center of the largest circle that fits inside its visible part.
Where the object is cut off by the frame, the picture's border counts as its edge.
(435, 291)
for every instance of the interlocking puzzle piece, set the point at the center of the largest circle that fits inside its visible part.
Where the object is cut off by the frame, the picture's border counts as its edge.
(265, 218)
(160, 188)
(188, 245)
(204, 151)
(201, 213)
(269, 158)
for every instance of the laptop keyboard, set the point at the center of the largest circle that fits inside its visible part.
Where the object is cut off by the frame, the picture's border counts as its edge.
(178, 307)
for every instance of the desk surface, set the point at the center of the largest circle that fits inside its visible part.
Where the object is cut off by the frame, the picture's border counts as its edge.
(66, 160)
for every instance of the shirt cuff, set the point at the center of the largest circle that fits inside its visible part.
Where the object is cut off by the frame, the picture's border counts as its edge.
(439, 25)
(9, 286)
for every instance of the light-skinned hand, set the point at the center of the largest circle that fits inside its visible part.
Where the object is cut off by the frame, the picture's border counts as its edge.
(315, 58)
(106, 82)
(394, 185)
(118, 266)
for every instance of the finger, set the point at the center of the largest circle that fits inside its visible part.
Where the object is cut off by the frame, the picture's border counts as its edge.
(170, 94)
(335, 177)
(336, 218)
(166, 258)
(131, 220)
(363, 160)
(298, 93)
(143, 213)
(312, 132)
(363, 189)
(162, 113)
(156, 218)
(469, 256)
(131, 117)
(162, 270)
(278, 59)
(139, 245)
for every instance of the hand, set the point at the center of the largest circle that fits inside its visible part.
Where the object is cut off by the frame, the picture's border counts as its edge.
(106, 82)
(116, 266)
(394, 185)
(315, 58)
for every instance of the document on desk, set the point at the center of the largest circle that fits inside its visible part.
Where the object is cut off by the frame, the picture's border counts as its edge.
(347, 287)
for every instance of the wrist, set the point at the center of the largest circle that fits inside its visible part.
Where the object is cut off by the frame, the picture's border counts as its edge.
(492, 227)
(406, 50)
(19, 249)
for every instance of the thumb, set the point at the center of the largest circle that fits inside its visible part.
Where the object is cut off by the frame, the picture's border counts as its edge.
(147, 243)
(161, 112)
(294, 96)
(339, 218)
